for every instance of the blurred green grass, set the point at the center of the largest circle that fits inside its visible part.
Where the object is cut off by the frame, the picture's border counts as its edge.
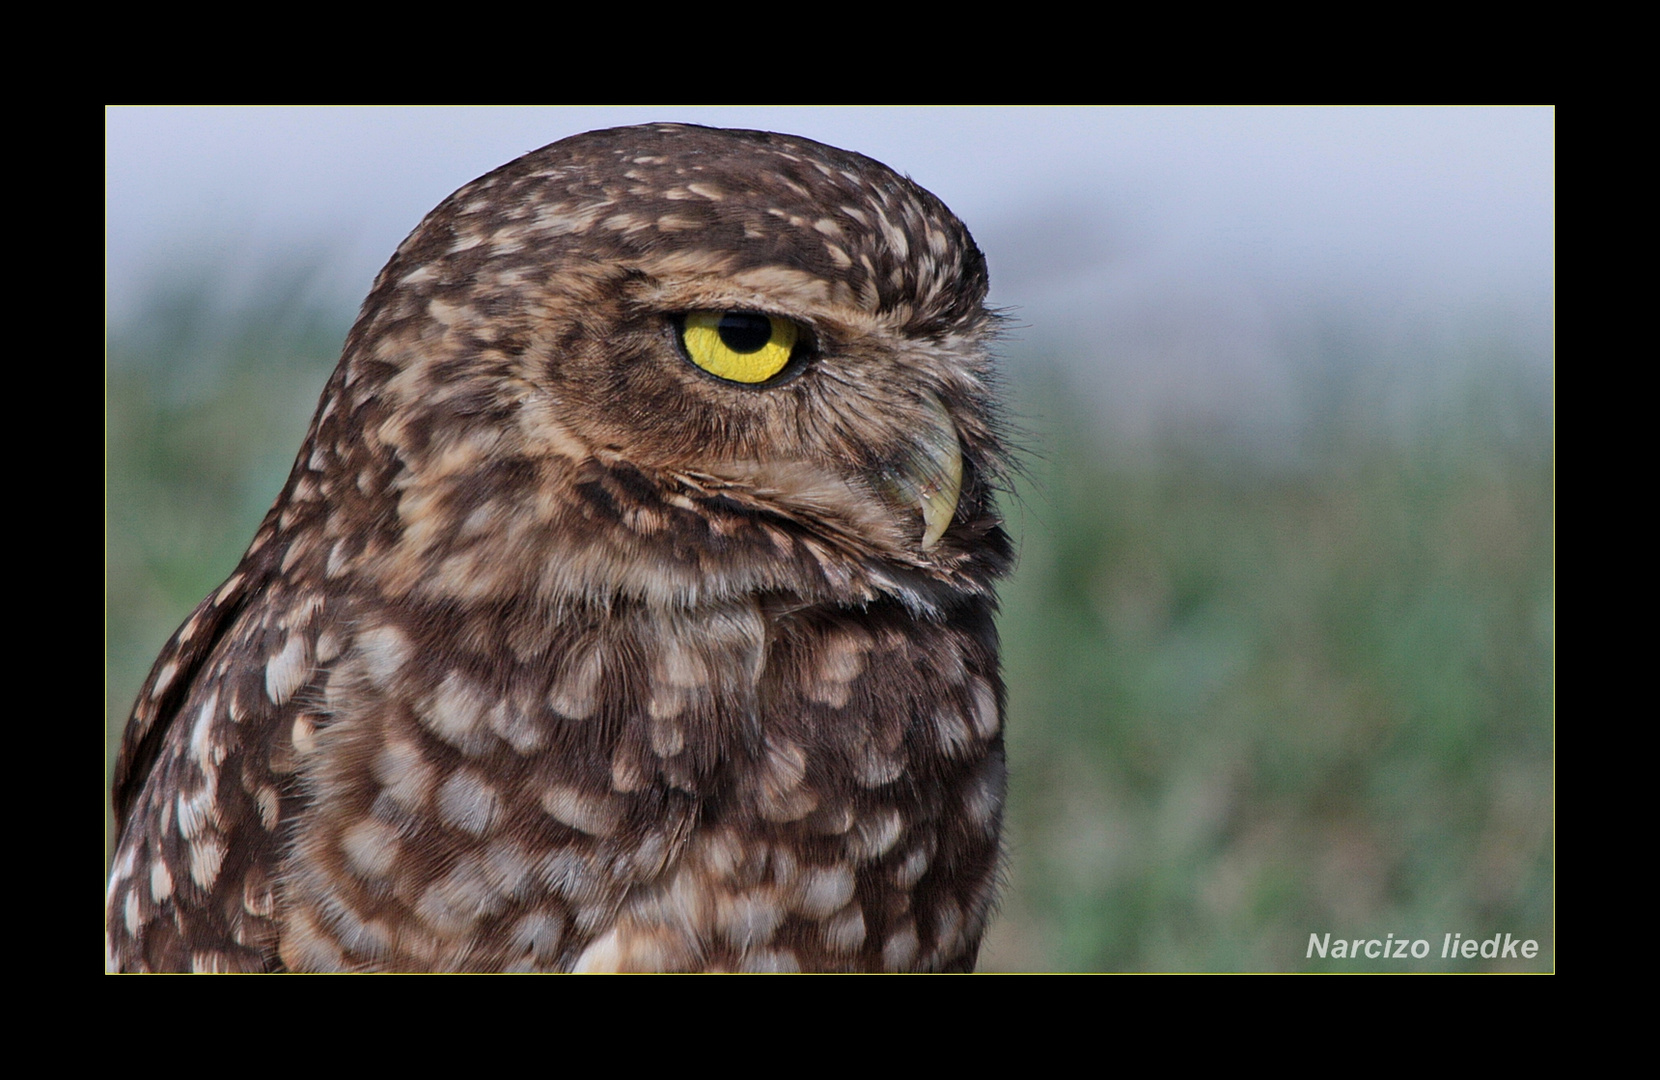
(1253, 696)
(1251, 702)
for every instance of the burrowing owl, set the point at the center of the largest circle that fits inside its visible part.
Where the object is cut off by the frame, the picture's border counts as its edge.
(629, 606)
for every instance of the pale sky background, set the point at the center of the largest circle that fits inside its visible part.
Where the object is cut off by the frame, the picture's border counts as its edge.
(1159, 248)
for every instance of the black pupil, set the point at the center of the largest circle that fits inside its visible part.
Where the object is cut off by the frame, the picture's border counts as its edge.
(744, 333)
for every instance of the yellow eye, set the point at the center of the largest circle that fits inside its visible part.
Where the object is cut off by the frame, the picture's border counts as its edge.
(739, 345)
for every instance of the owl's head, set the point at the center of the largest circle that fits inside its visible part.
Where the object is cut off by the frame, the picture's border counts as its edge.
(672, 363)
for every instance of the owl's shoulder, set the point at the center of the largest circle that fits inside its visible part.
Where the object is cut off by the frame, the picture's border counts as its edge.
(204, 778)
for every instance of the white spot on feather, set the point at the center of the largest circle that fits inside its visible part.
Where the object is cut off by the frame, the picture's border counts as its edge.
(453, 903)
(288, 670)
(257, 897)
(909, 872)
(667, 739)
(876, 834)
(900, 949)
(681, 666)
(453, 714)
(303, 734)
(603, 954)
(233, 584)
(783, 796)
(572, 696)
(161, 881)
(268, 802)
(404, 774)
(877, 769)
(124, 865)
(666, 703)
(508, 867)
(592, 815)
(370, 847)
(825, 891)
(207, 755)
(385, 650)
(195, 810)
(846, 931)
(468, 802)
(207, 854)
(626, 774)
(539, 934)
(769, 961)
(748, 919)
(986, 720)
(305, 945)
(954, 736)
(164, 678)
(841, 661)
(722, 853)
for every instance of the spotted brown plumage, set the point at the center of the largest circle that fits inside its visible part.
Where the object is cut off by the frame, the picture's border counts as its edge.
(565, 648)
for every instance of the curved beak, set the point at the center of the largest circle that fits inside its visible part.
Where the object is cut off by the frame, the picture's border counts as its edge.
(929, 476)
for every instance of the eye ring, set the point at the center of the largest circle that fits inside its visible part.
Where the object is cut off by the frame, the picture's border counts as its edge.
(750, 348)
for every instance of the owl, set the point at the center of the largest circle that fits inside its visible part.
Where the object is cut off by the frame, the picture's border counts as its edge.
(629, 606)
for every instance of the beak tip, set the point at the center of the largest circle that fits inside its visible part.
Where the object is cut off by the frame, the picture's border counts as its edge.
(939, 506)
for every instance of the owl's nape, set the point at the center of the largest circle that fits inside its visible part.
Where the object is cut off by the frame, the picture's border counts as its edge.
(629, 605)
